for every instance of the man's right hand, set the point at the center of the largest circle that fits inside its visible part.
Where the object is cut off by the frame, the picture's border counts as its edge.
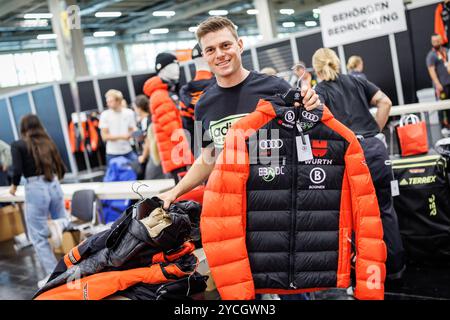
(168, 197)
(439, 89)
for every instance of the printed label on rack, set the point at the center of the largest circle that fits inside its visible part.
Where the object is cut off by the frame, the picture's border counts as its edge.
(304, 150)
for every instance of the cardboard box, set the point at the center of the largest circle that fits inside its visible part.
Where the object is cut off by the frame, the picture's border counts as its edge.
(70, 239)
(10, 222)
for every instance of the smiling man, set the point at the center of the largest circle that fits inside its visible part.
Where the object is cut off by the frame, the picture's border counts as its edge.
(235, 95)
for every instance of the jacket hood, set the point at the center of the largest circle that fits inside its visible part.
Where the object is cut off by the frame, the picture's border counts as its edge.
(153, 84)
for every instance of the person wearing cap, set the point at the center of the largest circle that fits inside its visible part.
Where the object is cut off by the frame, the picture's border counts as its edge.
(192, 91)
(173, 147)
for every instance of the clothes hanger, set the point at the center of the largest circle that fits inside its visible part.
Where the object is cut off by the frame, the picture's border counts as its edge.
(293, 95)
(145, 206)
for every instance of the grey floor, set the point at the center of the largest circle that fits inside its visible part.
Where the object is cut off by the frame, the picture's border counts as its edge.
(20, 272)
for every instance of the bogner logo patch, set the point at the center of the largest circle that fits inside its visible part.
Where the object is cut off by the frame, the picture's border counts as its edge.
(289, 116)
(317, 177)
(219, 129)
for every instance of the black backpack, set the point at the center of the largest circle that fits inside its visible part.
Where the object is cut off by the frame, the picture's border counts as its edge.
(423, 208)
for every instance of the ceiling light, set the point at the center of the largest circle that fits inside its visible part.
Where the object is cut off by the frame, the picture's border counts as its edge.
(98, 34)
(218, 12)
(316, 15)
(110, 14)
(317, 11)
(288, 24)
(163, 13)
(252, 11)
(193, 29)
(311, 23)
(159, 31)
(46, 36)
(38, 16)
(287, 11)
(33, 23)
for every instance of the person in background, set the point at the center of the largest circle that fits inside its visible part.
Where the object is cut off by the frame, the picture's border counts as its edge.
(148, 157)
(300, 71)
(355, 67)
(166, 118)
(36, 157)
(5, 162)
(437, 63)
(269, 71)
(191, 93)
(117, 125)
(349, 100)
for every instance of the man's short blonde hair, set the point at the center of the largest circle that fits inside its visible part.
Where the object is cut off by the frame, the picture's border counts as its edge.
(116, 94)
(214, 24)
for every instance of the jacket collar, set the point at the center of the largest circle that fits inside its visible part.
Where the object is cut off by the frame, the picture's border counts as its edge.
(153, 84)
(287, 116)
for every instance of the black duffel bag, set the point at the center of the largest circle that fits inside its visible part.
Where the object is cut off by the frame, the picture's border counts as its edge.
(423, 208)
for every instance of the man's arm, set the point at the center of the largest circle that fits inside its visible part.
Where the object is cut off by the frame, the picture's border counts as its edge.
(434, 77)
(196, 175)
(106, 136)
(383, 104)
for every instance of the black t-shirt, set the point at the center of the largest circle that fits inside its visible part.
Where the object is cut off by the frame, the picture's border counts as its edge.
(219, 108)
(348, 99)
(23, 162)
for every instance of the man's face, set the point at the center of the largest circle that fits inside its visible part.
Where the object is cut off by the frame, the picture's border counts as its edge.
(436, 41)
(222, 52)
(113, 103)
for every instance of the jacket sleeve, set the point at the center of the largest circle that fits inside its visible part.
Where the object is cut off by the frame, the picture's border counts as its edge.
(439, 27)
(370, 247)
(223, 225)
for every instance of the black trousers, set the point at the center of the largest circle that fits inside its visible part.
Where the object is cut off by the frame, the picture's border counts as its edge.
(444, 115)
(381, 171)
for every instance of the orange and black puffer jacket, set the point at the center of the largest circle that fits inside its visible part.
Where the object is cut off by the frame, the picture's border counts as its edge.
(172, 144)
(439, 25)
(189, 95)
(272, 224)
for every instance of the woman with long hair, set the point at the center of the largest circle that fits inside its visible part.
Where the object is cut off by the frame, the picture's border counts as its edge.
(349, 99)
(36, 157)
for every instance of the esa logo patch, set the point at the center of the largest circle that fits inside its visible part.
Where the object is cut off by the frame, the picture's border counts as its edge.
(268, 174)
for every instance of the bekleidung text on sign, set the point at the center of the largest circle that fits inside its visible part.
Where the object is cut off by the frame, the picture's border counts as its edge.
(354, 20)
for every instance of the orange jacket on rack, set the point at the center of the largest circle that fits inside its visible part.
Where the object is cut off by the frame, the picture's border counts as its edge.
(286, 227)
(439, 27)
(166, 120)
(89, 136)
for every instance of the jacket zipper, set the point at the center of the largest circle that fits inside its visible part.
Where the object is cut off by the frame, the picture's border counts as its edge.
(292, 284)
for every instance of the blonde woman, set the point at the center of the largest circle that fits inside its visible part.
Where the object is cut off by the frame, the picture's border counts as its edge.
(355, 67)
(349, 99)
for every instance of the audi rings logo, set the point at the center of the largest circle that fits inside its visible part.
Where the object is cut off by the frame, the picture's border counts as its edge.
(271, 144)
(289, 116)
(309, 116)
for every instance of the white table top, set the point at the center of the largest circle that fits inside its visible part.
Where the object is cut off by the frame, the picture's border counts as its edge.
(103, 190)
(420, 107)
